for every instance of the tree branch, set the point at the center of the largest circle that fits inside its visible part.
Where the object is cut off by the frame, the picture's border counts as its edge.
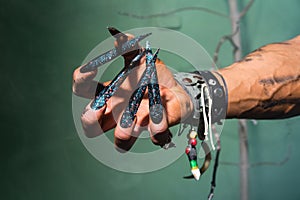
(246, 9)
(164, 14)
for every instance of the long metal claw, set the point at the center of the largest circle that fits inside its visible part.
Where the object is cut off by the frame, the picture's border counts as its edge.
(136, 98)
(116, 33)
(113, 53)
(155, 104)
(105, 94)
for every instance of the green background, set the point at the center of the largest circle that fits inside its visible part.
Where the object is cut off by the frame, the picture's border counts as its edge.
(42, 156)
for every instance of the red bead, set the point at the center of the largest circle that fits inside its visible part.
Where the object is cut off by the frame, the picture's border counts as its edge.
(187, 150)
(193, 142)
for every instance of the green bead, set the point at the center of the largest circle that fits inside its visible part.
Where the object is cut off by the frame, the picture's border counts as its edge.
(193, 163)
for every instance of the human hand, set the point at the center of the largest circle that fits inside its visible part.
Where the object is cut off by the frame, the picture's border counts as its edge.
(176, 102)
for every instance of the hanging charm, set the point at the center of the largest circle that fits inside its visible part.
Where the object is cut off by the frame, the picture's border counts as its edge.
(191, 153)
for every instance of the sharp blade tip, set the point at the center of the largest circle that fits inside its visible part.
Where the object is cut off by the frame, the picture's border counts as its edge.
(115, 32)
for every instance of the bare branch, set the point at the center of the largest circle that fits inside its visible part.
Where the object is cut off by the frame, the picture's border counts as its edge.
(243, 132)
(164, 14)
(280, 163)
(220, 44)
(229, 163)
(245, 10)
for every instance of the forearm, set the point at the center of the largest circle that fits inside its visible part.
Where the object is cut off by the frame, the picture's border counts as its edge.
(266, 83)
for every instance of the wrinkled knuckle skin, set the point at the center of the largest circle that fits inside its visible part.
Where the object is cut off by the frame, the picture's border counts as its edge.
(120, 135)
(91, 132)
(78, 91)
(91, 127)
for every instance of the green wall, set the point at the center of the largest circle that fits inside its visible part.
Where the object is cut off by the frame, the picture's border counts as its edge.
(42, 156)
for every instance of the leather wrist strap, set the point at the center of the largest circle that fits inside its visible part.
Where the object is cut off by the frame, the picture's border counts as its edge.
(192, 83)
(218, 93)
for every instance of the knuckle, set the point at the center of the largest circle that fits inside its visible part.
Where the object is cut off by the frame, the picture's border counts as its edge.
(122, 135)
(75, 75)
(158, 129)
(77, 91)
(91, 126)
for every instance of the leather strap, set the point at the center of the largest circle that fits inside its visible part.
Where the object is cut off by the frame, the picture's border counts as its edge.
(192, 83)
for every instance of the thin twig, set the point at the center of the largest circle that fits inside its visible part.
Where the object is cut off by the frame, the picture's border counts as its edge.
(220, 44)
(164, 14)
(263, 163)
(235, 40)
(229, 37)
(229, 163)
(243, 136)
(246, 9)
(280, 163)
(243, 132)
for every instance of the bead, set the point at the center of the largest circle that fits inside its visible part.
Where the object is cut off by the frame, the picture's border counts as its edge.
(193, 164)
(193, 134)
(187, 150)
(193, 142)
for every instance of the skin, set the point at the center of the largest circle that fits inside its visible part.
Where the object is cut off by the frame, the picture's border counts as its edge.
(175, 100)
(264, 85)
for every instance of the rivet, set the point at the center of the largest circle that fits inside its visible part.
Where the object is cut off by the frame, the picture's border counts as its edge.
(212, 82)
(218, 92)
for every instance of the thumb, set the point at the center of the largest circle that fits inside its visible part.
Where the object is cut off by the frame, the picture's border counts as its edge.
(91, 121)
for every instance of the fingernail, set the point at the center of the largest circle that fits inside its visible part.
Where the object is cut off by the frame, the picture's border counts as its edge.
(155, 106)
(127, 119)
(156, 113)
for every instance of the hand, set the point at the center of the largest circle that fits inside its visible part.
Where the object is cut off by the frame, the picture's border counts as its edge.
(175, 100)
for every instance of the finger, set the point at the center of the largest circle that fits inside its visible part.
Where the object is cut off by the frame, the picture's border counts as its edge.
(84, 77)
(125, 137)
(91, 121)
(159, 132)
(83, 83)
(130, 126)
